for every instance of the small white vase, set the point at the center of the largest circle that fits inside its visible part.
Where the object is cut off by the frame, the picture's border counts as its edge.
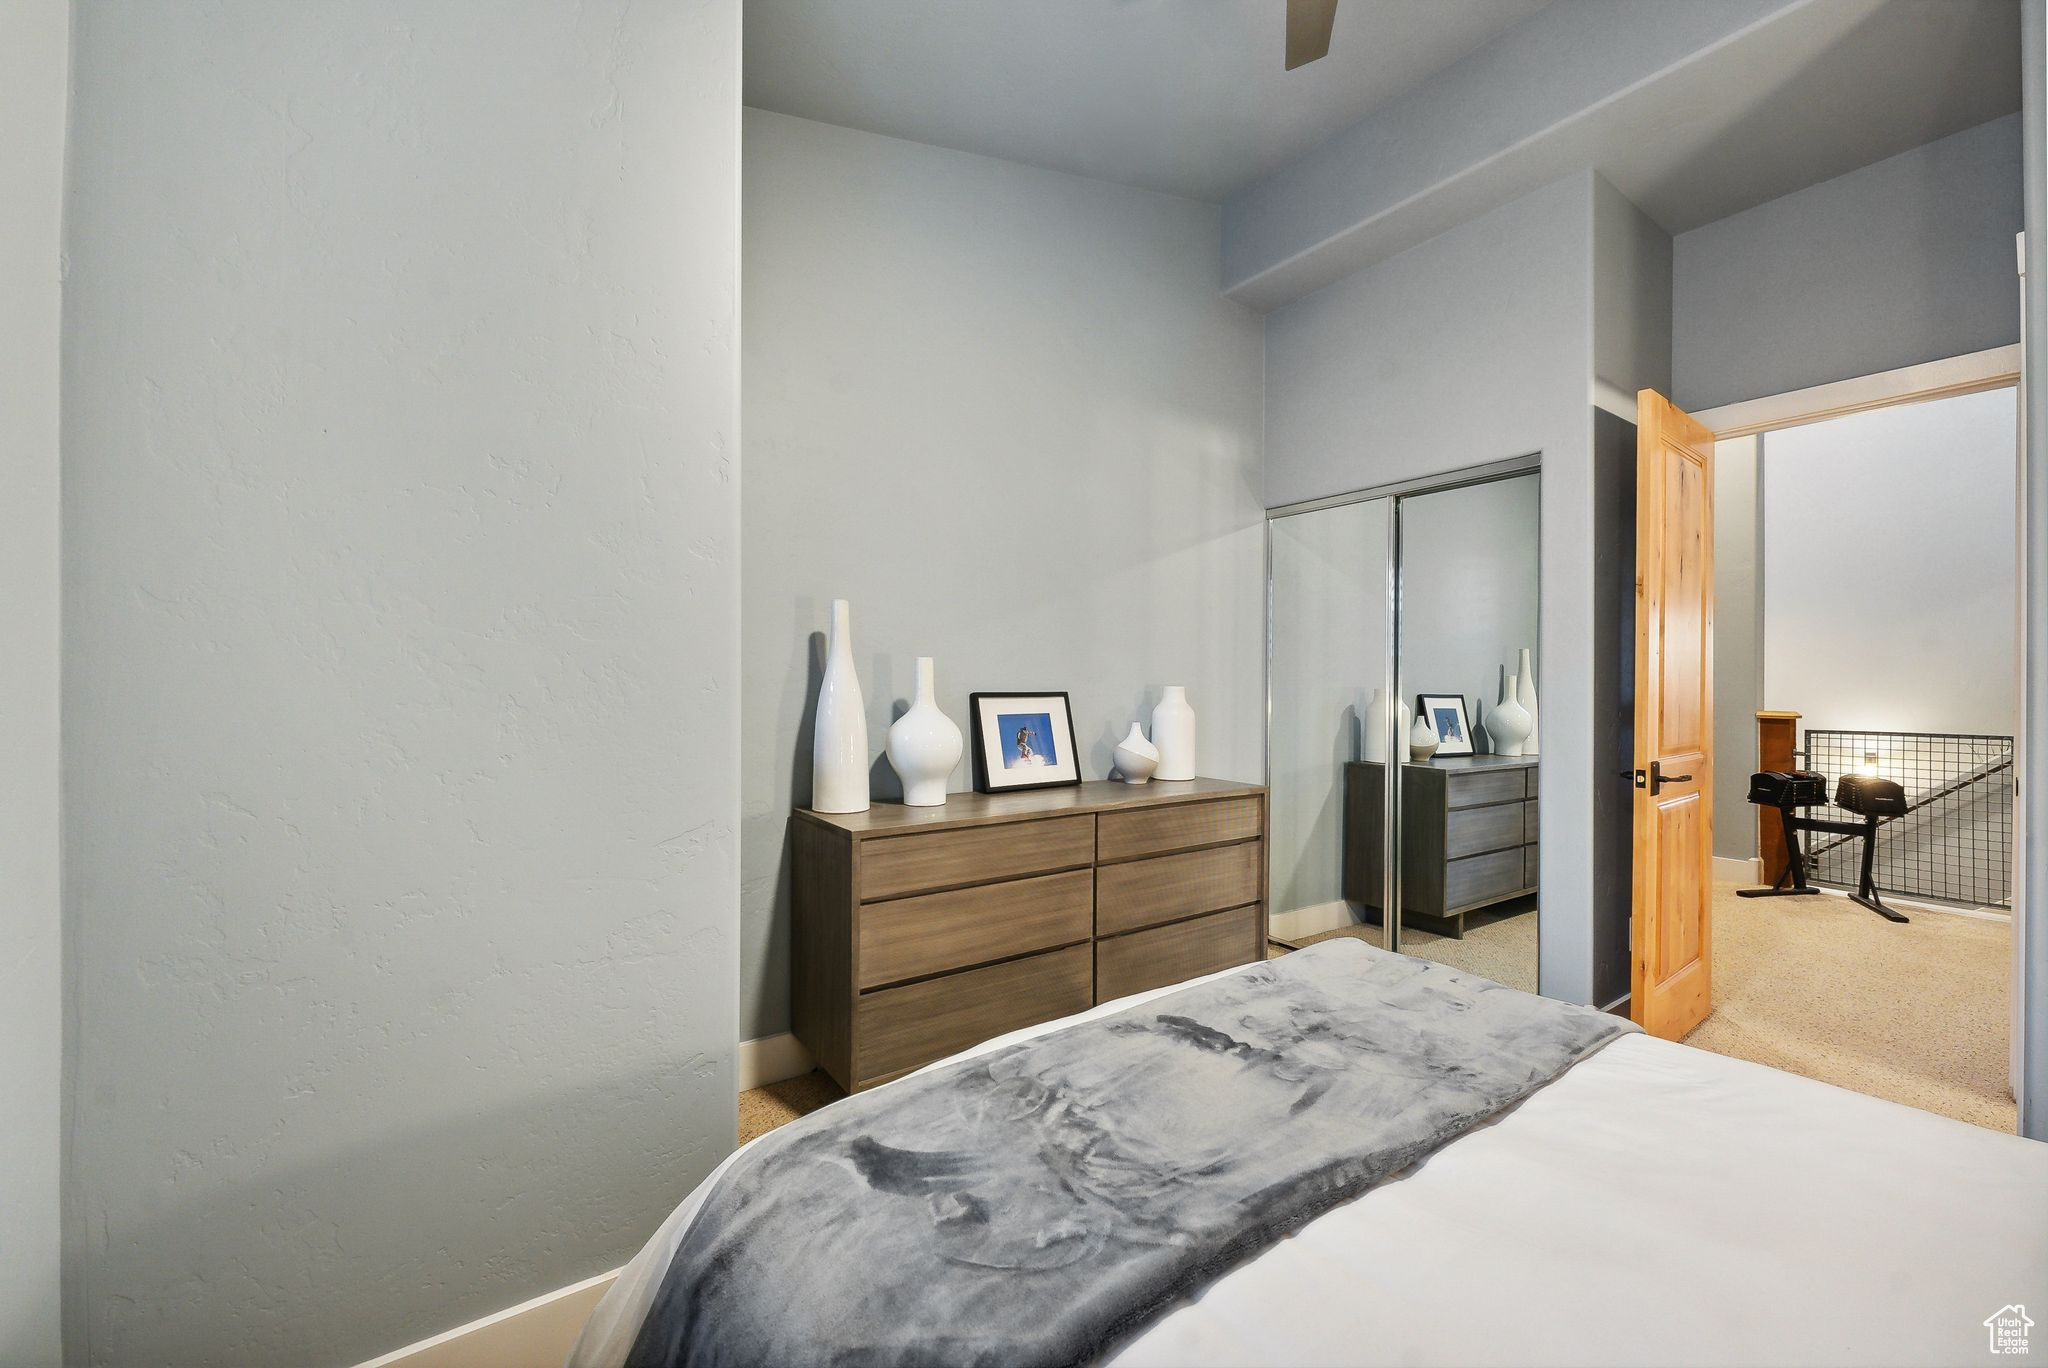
(1376, 724)
(1422, 739)
(924, 745)
(1508, 724)
(1136, 758)
(1173, 732)
(1525, 694)
(839, 740)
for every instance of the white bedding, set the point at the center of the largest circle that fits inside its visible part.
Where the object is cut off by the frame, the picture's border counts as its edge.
(1656, 1205)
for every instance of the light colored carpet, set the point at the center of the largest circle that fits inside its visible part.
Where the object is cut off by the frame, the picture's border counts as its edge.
(1821, 987)
(763, 1109)
(1497, 945)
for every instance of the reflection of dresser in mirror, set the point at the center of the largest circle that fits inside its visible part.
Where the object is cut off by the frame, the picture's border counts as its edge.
(1468, 836)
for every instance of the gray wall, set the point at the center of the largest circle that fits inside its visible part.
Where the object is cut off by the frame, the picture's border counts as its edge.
(1738, 641)
(1469, 601)
(1907, 260)
(401, 719)
(2030, 983)
(1004, 412)
(1631, 302)
(34, 52)
(1472, 347)
(1919, 636)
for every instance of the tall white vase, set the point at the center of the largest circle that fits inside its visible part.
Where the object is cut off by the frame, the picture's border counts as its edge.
(839, 741)
(924, 745)
(1508, 724)
(1525, 688)
(1376, 724)
(1173, 732)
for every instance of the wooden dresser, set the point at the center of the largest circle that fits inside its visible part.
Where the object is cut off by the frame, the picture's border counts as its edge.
(1468, 836)
(922, 931)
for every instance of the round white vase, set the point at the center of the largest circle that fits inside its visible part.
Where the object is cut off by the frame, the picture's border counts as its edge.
(1376, 724)
(1525, 694)
(1508, 724)
(839, 738)
(1173, 732)
(924, 745)
(1422, 739)
(1136, 758)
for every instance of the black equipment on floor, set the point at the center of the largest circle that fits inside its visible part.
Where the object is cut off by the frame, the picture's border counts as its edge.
(1869, 797)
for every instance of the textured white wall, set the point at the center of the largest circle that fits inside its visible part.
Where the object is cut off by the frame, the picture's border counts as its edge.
(34, 77)
(1890, 568)
(1005, 412)
(1473, 347)
(401, 591)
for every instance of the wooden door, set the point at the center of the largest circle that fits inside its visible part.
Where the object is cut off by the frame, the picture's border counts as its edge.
(1671, 931)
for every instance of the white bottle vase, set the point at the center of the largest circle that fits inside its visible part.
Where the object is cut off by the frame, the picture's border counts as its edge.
(1422, 739)
(924, 745)
(1136, 758)
(1525, 694)
(839, 740)
(1376, 725)
(1508, 724)
(1173, 732)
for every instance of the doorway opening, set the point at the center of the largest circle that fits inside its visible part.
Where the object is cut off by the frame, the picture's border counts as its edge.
(1866, 609)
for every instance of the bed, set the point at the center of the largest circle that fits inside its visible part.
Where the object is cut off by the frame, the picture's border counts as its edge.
(1654, 1204)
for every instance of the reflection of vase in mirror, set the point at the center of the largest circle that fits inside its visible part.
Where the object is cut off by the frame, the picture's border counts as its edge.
(1525, 694)
(1422, 742)
(1508, 724)
(1136, 757)
(1376, 725)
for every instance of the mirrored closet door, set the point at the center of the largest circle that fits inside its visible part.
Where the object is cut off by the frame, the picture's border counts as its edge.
(1405, 625)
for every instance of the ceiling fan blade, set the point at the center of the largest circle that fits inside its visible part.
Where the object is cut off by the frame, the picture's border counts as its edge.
(1308, 30)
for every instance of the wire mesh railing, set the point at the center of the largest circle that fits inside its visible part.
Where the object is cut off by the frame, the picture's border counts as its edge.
(1955, 841)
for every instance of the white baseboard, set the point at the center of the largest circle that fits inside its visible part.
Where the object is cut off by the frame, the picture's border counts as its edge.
(1996, 914)
(534, 1334)
(771, 1059)
(1728, 870)
(1312, 920)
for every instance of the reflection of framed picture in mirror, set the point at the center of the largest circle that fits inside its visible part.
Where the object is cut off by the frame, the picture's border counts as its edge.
(1446, 714)
(1023, 741)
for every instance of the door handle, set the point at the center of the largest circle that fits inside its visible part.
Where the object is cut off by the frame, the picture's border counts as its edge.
(1654, 778)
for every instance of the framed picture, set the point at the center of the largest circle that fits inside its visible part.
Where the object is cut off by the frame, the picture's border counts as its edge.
(1023, 741)
(1446, 714)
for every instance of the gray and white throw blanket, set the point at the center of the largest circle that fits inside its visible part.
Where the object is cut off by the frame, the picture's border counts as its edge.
(1037, 1204)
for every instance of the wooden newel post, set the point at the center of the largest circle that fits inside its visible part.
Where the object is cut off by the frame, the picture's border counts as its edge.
(1777, 737)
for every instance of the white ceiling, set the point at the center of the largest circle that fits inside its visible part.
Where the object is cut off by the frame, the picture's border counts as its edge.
(1185, 96)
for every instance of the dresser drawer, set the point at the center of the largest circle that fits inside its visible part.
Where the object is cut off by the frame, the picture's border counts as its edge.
(902, 1028)
(1173, 954)
(1123, 835)
(1478, 879)
(911, 937)
(1472, 788)
(1147, 892)
(1471, 831)
(1531, 874)
(895, 865)
(1529, 824)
